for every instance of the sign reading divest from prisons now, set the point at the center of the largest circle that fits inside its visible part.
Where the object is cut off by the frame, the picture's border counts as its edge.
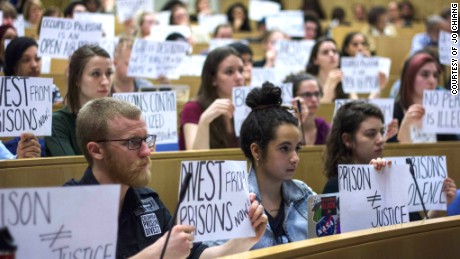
(60, 37)
(26, 106)
(442, 112)
(360, 74)
(127, 9)
(153, 59)
(71, 222)
(430, 172)
(159, 110)
(386, 105)
(293, 55)
(371, 198)
(217, 200)
(242, 111)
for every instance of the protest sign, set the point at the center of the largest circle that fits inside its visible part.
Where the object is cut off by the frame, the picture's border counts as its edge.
(26, 106)
(107, 20)
(72, 222)
(217, 200)
(371, 198)
(159, 32)
(259, 9)
(384, 66)
(127, 9)
(153, 59)
(445, 46)
(430, 172)
(209, 23)
(19, 25)
(159, 110)
(293, 55)
(260, 75)
(386, 105)
(192, 65)
(442, 112)
(290, 22)
(360, 74)
(242, 111)
(60, 37)
(162, 18)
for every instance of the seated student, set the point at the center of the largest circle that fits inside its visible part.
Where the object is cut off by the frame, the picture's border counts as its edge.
(223, 31)
(74, 7)
(357, 137)
(324, 64)
(246, 54)
(90, 77)
(180, 16)
(429, 38)
(122, 83)
(144, 22)
(268, 45)
(271, 140)
(7, 32)
(305, 89)
(114, 138)
(206, 122)
(27, 147)
(33, 10)
(21, 59)
(237, 16)
(354, 44)
(420, 72)
(202, 7)
(312, 27)
(9, 13)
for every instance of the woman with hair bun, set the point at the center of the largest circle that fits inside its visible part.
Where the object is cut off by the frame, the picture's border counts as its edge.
(271, 140)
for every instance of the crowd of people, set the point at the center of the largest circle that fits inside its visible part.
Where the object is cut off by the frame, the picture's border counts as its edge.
(113, 136)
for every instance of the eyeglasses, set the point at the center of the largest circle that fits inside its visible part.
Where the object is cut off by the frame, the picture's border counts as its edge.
(136, 143)
(310, 94)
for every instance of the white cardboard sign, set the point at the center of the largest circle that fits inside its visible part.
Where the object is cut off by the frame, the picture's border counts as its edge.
(371, 198)
(217, 200)
(59, 222)
(26, 106)
(159, 110)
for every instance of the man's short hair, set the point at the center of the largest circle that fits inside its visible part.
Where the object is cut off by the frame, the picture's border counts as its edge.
(93, 120)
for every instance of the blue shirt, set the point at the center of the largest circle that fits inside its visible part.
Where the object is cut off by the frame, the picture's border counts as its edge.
(5, 153)
(295, 194)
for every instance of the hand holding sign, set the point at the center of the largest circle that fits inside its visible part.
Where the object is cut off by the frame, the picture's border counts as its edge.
(28, 146)
(221, 106)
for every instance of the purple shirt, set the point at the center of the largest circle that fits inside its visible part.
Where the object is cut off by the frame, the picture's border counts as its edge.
(322, 130)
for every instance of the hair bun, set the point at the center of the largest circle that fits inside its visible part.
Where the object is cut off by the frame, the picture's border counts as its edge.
(265, 97)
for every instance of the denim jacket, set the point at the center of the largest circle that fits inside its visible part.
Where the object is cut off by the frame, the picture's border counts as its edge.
(295, 194)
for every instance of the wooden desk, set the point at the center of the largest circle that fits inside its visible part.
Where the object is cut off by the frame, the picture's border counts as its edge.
(166, 167)
(434, 238)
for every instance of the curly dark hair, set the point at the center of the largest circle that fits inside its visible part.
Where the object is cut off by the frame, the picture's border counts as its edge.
(266, 115)
(347, 120)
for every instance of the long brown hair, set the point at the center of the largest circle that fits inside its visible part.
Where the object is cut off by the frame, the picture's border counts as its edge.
(77, 65)
(207, 94)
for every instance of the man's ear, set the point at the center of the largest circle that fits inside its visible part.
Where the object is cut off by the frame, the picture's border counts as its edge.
(95, 150)
(346, 138)
(255, 151)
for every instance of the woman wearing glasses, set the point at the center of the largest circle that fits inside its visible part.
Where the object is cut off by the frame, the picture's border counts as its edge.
(307, 92)
(271, 140)
(90, 77)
